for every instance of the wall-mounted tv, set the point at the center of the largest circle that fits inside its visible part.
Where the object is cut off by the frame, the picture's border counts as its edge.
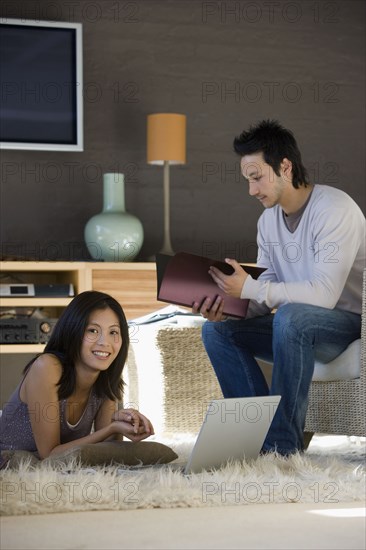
(41, 82)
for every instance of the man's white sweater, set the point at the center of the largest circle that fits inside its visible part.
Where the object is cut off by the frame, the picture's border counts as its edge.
(320, 263)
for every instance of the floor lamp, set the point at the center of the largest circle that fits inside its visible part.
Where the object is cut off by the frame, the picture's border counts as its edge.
(166, 145)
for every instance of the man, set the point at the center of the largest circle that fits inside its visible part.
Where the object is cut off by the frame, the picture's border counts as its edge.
(307, 304)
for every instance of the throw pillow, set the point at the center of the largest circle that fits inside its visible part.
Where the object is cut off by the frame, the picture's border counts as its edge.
(97, 454)
(117, 452)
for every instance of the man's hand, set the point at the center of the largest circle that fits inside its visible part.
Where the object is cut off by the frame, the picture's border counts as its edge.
(230, 284)
(211, 312)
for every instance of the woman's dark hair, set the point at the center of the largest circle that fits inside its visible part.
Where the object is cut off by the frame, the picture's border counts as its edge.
(66, 340)
(276, 143)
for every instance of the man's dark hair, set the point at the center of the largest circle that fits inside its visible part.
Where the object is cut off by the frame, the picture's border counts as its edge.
(276, 143)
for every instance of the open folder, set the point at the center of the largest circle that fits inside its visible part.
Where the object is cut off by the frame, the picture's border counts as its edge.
(183, 279)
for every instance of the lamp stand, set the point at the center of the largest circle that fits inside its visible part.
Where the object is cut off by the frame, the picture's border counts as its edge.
(167, 245)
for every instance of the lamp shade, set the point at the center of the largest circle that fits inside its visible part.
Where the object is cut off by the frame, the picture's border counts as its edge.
(166, 138)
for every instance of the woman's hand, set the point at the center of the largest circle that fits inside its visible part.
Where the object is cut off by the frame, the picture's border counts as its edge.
(129, 430)
(136, 422)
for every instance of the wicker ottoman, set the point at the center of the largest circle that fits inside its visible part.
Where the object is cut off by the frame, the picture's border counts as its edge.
(188, 377)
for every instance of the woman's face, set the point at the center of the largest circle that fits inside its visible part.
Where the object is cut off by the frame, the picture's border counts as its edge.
(102, 340)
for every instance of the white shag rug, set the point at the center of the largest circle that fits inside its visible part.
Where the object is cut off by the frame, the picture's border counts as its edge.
(332, 470)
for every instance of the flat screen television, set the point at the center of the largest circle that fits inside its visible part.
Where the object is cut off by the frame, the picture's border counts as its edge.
(41, 85)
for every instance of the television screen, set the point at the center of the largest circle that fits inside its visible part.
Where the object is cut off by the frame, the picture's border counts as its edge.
(41, 85)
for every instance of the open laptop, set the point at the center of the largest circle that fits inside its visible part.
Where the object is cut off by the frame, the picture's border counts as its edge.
(233, 429)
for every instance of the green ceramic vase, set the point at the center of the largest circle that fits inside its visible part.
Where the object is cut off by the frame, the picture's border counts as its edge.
(114, 235)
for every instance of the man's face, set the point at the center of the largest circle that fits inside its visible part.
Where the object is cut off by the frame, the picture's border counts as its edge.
(263, 183)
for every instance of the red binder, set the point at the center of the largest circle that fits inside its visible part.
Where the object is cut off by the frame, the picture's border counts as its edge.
(183, 279)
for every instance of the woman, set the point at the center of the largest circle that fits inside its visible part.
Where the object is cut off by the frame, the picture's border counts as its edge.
(74, 384)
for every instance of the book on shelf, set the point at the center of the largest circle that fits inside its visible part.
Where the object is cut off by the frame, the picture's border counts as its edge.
(183, 279)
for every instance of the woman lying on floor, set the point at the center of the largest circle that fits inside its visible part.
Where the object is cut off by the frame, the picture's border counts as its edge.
(75, 384)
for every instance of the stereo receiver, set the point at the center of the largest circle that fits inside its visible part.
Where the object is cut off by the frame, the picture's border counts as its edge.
(26, 330)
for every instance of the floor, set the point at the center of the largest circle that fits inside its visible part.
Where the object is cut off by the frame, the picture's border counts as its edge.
(315, 526)
(301, 526)
(270, 526)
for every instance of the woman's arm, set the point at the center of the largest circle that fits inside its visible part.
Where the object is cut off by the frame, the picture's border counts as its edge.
(39, 392)
(137, 426)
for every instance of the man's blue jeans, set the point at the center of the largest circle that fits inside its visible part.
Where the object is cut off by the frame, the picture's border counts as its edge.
(292, 339)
